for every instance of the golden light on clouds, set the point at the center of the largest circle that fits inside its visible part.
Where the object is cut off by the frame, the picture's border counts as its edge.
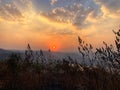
(23, 22)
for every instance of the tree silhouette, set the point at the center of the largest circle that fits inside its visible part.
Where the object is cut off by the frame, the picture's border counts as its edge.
(105, 56)
(29, 55)
(117, 41)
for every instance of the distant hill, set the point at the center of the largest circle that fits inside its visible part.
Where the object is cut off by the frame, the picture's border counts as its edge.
(57, 55)
(4, 53)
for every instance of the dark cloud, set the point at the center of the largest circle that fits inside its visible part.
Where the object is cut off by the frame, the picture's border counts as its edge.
(53, 2)
(64, 32)
(112, 5)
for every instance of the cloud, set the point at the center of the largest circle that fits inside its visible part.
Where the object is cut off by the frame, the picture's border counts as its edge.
(74, 14)
(112, 6)
(83, 13)
(9, 11)
(61, 32)
(53, 2)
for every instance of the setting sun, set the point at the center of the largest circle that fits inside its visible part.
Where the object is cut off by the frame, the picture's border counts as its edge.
(54, 47)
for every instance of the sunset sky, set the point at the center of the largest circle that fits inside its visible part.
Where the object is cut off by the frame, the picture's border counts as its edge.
(56, 24)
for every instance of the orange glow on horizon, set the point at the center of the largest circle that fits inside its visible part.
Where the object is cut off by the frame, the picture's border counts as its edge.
(54, 46)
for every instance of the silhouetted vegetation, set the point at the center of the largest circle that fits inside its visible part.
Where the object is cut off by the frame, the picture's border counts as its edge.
(99, 70)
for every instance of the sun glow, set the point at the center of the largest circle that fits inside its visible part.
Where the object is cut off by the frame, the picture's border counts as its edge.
(54, 46)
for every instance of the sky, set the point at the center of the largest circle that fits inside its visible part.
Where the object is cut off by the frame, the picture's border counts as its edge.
(56, 24)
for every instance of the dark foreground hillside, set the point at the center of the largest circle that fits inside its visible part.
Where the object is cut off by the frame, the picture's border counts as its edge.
(16, 75)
